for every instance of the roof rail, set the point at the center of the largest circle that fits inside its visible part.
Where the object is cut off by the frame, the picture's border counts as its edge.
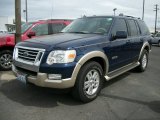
(128, 16)
(62, 19)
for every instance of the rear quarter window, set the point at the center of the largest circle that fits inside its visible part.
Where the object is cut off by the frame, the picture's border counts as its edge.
(133, 30)
(143, 28)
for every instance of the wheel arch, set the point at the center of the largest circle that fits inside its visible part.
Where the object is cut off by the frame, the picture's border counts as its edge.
(11, 48)
(146, 46)
(97, 56)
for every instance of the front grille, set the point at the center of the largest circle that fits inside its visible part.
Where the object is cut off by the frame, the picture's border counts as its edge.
(29, 55)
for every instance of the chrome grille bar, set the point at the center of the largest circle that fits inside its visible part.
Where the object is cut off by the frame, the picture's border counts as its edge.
(29, 55)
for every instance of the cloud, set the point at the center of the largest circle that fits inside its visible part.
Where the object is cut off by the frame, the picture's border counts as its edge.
(42, 9)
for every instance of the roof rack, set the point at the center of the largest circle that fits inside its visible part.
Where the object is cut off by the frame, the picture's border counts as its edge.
(121, 14)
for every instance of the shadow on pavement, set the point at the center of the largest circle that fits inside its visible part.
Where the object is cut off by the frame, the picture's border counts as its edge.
(31, 95)
(154, 105)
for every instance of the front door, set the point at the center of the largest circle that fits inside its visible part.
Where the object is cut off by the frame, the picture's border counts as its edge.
(119, 53)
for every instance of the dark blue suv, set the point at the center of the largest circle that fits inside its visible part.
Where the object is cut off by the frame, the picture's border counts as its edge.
(87, 52)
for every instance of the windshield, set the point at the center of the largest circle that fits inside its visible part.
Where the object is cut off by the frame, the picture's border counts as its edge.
(92, 25)
(25, 27)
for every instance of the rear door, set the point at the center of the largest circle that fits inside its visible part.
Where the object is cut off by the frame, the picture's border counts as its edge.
(135, 40)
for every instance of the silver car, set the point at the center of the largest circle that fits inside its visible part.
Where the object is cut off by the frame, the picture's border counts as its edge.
(156, 39)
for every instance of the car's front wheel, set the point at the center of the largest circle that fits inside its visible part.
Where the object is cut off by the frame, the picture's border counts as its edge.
(5, 60)
(89, 82)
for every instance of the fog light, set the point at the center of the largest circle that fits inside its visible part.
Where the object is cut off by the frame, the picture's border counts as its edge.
(54, 76)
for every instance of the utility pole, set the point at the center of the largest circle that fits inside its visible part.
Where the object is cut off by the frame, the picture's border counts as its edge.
(156, 9)
(26, 11)
(114, 11)
(143, 10)
(18, 20)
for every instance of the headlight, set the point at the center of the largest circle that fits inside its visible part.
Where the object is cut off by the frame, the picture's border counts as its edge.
(61, 56)
(15, 53)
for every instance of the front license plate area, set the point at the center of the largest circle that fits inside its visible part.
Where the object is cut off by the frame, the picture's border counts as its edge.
(22, 78)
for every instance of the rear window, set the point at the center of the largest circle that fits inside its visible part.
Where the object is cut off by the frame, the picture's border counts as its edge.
(143, 27)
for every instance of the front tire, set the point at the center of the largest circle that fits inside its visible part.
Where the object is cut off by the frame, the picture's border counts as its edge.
(5, 60)
(143, 61)
(89, 82)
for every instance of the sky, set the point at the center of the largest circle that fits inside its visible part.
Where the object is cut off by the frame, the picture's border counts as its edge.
(72, 9)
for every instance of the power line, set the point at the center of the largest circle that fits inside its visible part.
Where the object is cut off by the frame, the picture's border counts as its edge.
(156, 10)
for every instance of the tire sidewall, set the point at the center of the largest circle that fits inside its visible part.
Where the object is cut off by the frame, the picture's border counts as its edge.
(159, 43)
(141, 59)
(81, 78)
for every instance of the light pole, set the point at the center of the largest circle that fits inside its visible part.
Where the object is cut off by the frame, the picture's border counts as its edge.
(114, 11)
(26, 10)
(143, 10)
(18, 20)
(156, 9)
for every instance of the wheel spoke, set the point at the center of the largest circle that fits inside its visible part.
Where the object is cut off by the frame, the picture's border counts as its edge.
(91, 82)
(6, 60)
(90, 90)
(86, 85)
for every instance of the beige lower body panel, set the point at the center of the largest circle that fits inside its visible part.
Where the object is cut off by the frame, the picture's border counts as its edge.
(42, 80)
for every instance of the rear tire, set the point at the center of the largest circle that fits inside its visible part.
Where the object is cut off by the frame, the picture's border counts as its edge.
(143, 61)
(89, 82)
(158, 43)
(6, 60)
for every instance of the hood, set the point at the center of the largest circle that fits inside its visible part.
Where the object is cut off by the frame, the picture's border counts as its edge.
(4, 35)
(58, 40)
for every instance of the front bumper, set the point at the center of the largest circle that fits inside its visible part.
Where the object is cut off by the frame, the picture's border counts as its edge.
(41, 79)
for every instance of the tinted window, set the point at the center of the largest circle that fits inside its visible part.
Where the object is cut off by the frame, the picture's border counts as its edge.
(41, 29)
(158, 35)
(132, 28)
(120, 25)
(57, 27)
(143, 28)
(25, 27)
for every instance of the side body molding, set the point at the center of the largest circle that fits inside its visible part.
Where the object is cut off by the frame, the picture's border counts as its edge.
(87, 57)
(146, 44)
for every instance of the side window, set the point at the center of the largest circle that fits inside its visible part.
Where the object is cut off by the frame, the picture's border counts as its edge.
(158, 35)
(143, 27)
(41, 29)
(57, 27)
(133, 28)
(138, 29)
(120, 25)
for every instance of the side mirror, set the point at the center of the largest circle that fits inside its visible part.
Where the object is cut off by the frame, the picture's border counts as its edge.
(120, 35)
(31, 34)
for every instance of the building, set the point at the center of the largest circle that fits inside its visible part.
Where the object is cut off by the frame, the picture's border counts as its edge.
(7, 24)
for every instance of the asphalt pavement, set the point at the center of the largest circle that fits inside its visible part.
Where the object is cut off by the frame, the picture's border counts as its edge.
(131, 96)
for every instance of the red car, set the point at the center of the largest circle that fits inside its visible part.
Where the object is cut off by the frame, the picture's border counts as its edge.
(28, 30)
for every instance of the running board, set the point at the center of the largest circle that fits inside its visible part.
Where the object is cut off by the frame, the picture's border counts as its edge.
(120, 71)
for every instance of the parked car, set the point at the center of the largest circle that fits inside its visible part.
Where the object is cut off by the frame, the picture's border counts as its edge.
(156, 39)
(89, 49)
(29, 30)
